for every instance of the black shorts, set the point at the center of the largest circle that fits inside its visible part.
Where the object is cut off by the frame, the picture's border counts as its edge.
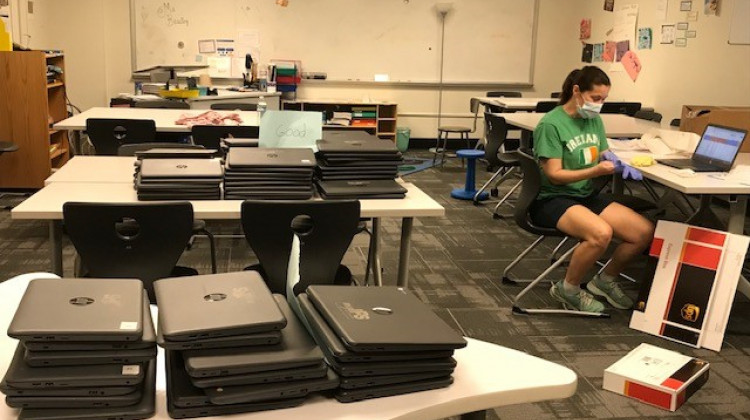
(548, 211)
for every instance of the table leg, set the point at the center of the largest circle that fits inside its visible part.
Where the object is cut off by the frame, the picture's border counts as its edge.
(476, 415)
(377, 271)
(55, 245)
(704, 216)
(403, 259)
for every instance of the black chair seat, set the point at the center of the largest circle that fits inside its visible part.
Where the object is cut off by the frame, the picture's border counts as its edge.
(639, 205)
(508, 159)
(454, 129)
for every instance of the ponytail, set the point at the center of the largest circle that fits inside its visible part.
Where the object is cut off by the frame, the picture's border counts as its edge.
(586, 78)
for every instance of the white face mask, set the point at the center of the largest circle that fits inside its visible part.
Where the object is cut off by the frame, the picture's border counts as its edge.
(589, 109)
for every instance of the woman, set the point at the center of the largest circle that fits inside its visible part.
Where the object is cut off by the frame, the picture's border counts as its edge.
(568, 143)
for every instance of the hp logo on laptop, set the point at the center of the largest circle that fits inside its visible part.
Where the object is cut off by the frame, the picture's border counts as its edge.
(214, 297)
(181, 166)
(81, 301)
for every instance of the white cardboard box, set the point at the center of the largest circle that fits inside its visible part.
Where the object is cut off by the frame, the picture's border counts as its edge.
(655, 376)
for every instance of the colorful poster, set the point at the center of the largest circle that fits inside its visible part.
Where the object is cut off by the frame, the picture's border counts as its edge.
(585, 30)
(711, 7)
(622, 48)
(632, 65)
(598, 52)
(587, 53)
(644, 38)
(610, 50)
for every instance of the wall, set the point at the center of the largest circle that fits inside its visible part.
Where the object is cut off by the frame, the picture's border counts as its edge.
(95, 35)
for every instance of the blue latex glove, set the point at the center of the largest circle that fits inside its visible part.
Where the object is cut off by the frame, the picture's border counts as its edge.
(629, 172)
(625, 170)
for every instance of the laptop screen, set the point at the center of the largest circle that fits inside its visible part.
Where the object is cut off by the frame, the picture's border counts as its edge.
(720, 144)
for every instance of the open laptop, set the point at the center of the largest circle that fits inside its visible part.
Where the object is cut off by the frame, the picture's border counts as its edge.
(216, 305)
(716, 151)
(382, 319)
(80, 310)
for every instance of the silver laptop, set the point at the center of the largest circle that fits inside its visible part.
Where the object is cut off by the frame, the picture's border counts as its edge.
(80, 310)
(716, 151)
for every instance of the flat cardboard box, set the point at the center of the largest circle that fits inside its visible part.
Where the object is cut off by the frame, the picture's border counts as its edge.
(656, 376)
(695, 118)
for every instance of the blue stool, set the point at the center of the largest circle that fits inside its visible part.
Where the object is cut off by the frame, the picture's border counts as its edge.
(469, 190)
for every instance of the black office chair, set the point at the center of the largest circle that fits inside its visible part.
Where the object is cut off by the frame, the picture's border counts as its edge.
(325, 228)
(555, 95)
(532, 182)
(648, 115)
(546, 106)
(506, 163)
(107, 134)
(210, 136)
(162, 104)
(130, 240)
(234, 106)
(132, 149)
(627, 108)
(463, 132)
(675, 122)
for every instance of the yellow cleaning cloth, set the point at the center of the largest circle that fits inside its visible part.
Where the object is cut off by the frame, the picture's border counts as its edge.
(642, 161)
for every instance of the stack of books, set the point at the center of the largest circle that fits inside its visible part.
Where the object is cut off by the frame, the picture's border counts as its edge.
(363, 116)
(287, 76)
(381, 341)
(269, 174)
(87, 350)
(233, 347)
(340, 118)
(163, 174)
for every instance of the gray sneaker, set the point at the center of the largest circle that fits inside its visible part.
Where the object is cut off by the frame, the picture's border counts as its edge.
(610, 291)
(583, 301)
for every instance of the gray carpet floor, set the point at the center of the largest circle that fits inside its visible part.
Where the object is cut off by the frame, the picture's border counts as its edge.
(456, 267)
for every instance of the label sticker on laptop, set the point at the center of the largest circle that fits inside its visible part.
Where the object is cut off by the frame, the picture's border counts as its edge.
(129, 326)
(131, 370)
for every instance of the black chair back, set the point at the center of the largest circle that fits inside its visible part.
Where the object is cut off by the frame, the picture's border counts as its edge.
(627, 108)
(129, 240)
(108, 134)
(532, 183)
(325, 228)
(648, 115)
(675, 122)
(555, 94)
(546, 106)
(131, 149)
(496, 131)
(162, 104)
(234, 106)
(209, 136)
(503, 94)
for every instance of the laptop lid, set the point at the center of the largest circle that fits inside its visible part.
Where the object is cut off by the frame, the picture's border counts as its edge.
(80, 310)
(370, 144)
(216, 305)
(362, 187)
(244, 157)
(719, 146)
(181, 168)
(382, 319)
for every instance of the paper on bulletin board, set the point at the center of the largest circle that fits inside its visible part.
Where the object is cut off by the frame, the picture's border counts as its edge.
(219, 66)
(631, 64)
(291, 129)
(247, 42)
(661, 9)
(626, 18)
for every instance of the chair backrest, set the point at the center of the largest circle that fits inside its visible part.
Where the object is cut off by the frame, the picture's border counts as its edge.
(268, 227)
(503, 94)
(163, 104)
(555, 94)
(648, 115)
(474, 108)
(546, 106)
(129, 240)
(627, 108)
(675, 122)
(532, 183)
(232, 106)
(131, 149)
(495, 131)
(107, 134)
(209, 136)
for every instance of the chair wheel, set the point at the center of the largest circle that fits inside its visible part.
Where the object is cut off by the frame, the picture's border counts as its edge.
(494, 192)
(507, 280)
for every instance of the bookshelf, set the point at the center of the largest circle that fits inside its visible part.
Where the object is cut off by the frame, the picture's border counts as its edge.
(381, 117)
(29, 105)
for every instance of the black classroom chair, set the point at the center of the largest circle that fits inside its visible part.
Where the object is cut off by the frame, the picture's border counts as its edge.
(234, 106)
(162, 104)
(107, 134)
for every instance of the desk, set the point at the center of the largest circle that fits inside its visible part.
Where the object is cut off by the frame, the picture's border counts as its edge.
(223, 96)
(83, 181)
(514, 104)
(615, 125)
(487, 376)
(164, 118)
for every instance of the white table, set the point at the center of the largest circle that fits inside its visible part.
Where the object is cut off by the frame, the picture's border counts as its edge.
(514, 104)
(615, 125)
(85, 180)
(486, 376)
(164, 118)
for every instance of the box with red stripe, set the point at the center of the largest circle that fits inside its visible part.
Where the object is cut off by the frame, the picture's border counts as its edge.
(656, 376)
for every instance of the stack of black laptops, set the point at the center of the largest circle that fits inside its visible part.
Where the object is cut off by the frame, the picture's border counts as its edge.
(87, 350)
(381, 341)
(233, 347)
(266, 173)
(357, 165)
(184, 178)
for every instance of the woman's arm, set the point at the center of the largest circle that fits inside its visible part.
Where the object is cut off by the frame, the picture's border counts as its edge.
(559, 176)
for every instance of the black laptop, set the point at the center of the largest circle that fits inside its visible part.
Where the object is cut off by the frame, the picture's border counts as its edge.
(88, 357)
(181, 168)
(370, 145)
(256, 393)
(352, 395)
(376, 319)
(383, 188)
(253, 157)
(716, 150)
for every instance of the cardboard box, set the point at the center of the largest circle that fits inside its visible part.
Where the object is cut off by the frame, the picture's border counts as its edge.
(656, 376)
(695, 118)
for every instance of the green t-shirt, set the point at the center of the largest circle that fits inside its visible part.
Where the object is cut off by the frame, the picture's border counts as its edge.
(577, 141)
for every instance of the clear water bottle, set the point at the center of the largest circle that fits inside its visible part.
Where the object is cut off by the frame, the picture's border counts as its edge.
(262, 106)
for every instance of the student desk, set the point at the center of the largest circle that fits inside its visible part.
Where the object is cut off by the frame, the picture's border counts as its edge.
(223, 96)
(487, 376)
(83, 179)
(514, 104)
(615, 125)
(164, 118)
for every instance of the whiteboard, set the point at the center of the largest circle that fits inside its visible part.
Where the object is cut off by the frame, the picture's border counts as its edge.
(739, 29)
(486, 41)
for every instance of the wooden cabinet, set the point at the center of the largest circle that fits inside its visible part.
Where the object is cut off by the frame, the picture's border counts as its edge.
(383, 124)
(29, 105)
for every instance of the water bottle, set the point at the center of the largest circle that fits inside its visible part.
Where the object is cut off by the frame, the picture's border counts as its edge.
(262, 106)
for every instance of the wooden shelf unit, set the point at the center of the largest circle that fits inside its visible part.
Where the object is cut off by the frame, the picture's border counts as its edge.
(385, 114)
(28, 108)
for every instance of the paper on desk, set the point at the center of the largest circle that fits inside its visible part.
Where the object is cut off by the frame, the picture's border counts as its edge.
(220, 66)
(740, 173)
(633, 145)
